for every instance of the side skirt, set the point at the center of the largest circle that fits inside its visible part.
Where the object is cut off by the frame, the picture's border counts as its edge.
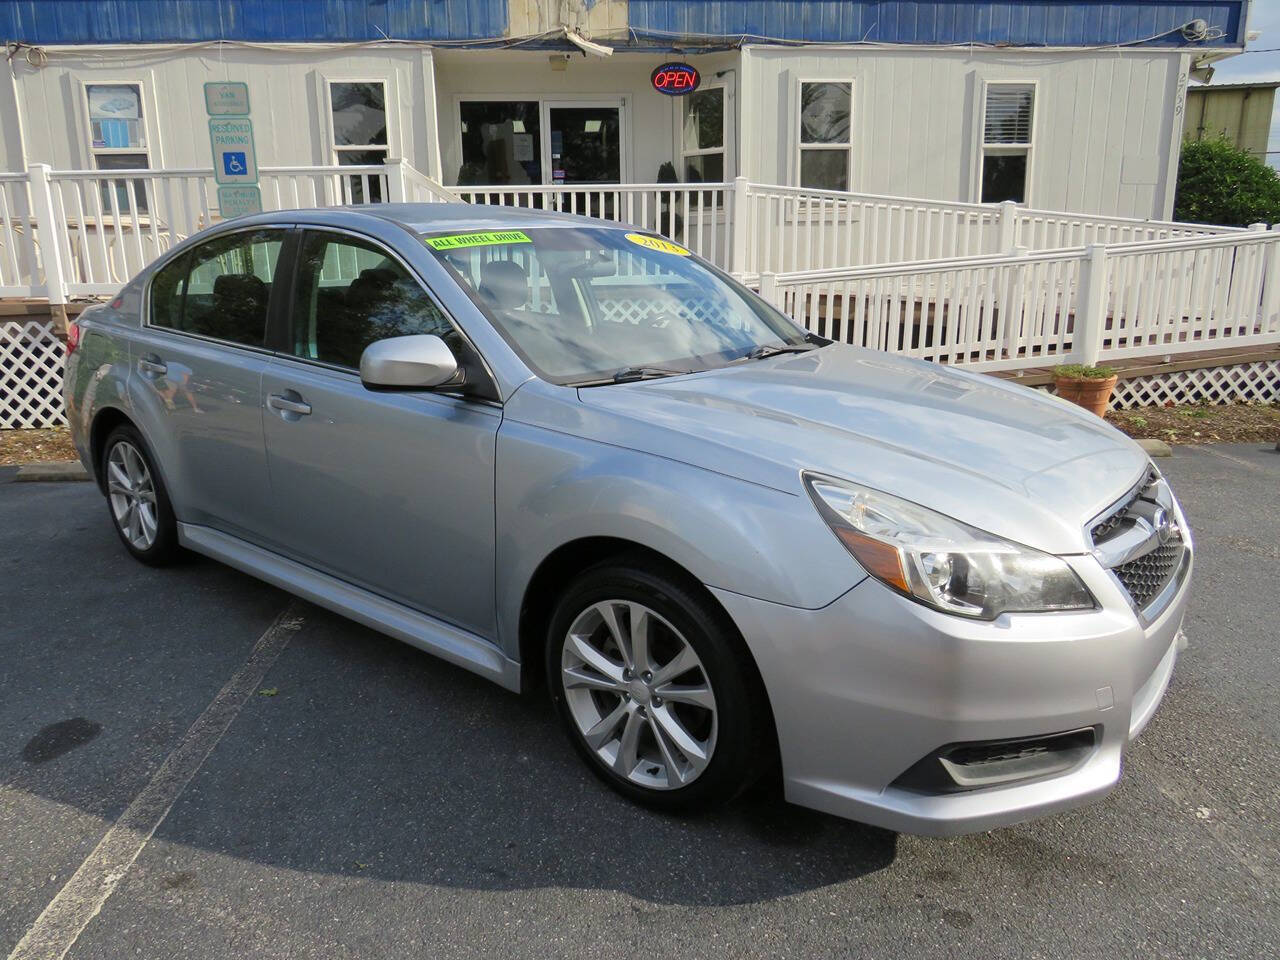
(447, 642)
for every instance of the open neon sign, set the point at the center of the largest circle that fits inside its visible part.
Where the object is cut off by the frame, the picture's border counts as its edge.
(675, 79)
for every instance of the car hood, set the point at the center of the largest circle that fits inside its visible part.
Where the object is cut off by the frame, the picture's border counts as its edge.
(1002, 457)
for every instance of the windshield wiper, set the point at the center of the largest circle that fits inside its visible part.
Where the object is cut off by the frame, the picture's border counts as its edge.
(644, 373)
(760, 351)
(629, 374)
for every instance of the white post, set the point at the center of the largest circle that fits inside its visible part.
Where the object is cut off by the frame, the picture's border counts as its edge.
(1271, 282)
(396, 192)
(1091, 307)
(51, 237)
(769, 289)
(1008, 226)
(738, 259)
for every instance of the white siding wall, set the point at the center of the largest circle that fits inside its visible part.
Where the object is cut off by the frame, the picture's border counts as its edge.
(286, 95)
(1107, 123)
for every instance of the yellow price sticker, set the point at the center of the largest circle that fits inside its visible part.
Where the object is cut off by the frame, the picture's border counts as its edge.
(477, 239)
(657, 243)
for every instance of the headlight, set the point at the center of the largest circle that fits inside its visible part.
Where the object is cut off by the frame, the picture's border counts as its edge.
(942, 562)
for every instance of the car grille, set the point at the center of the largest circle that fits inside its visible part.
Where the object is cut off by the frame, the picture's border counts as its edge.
(1146, 575)
(1104, 527)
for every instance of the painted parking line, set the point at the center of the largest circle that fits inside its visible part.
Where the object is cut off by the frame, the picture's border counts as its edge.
(79, 901)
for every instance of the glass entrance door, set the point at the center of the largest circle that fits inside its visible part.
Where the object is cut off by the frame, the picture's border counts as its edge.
(585, 144)
(585, 147)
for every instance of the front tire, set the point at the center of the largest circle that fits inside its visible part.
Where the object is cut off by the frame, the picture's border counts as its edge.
(137, 499)
(650, 682)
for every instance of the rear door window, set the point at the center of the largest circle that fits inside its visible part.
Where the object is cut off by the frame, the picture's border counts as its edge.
(220, 289)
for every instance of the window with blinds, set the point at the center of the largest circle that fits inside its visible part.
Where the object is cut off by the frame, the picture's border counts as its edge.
(1008, 118)
(1007, 131)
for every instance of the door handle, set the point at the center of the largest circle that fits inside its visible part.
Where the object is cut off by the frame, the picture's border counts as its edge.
(277, 401)
(152, 364)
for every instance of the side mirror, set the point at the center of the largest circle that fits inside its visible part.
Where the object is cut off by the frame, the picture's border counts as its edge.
(417, 362)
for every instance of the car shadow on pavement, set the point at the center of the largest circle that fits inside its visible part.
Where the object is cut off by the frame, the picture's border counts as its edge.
(374, 759)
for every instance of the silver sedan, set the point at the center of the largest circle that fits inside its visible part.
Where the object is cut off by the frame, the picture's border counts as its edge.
(560, 452)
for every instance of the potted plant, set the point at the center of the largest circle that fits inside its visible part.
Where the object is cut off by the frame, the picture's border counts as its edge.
(1089, 387)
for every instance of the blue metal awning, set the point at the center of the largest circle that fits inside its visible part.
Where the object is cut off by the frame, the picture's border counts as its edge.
(1039, 23)
(654, 23)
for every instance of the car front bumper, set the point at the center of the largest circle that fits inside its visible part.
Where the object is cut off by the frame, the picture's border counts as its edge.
(869, 685)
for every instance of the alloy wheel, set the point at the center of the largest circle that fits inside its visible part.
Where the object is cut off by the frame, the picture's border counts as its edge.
(639, 694)
(132, 494)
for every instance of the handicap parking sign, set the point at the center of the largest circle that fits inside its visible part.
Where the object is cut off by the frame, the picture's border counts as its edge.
(234, 161)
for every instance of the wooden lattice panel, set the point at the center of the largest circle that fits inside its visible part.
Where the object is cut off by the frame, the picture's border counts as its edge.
(1250, 382)
(30, 375)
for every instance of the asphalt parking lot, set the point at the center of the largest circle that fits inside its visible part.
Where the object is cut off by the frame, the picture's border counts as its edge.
(368, 800)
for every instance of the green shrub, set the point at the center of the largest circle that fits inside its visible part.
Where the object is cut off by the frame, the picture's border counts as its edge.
(1220, 183)
(1078, 371)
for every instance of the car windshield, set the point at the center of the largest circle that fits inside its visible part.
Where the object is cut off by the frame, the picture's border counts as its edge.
(590, 305)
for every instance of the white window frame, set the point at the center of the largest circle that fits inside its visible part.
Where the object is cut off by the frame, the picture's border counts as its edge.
(389, 108)
(723, 149)
(150, 147)
(1005, 149)
(549, 103)
(146, 86)
(801, 146)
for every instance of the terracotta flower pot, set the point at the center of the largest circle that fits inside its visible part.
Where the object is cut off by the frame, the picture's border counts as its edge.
(1091, 393)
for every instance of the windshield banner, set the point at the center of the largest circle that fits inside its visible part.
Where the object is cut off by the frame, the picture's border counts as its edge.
(477, 239)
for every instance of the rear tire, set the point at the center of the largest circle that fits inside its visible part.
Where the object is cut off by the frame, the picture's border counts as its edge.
(677, 721)
(137, 499)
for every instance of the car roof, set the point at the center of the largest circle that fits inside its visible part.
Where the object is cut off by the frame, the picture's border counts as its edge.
(424, 218)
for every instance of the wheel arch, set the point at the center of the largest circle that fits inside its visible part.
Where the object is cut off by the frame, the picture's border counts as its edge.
(570, 560)
(104, 422)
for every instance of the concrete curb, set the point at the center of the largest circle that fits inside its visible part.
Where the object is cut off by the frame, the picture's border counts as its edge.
(1156, 448)
(48, 472)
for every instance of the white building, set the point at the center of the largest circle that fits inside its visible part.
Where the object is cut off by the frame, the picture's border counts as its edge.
(1064, 105)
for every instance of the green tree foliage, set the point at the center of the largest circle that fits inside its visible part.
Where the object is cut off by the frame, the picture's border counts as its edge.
(1220, 183)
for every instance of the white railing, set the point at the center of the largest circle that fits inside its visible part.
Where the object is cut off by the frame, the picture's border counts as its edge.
(1082, 304)
(790, 228)
(418, 187)
(20, 268)
(103, 226)
(1193, 294)
(697, 215)
(751, 228)
(114, 225)
(1049, 230)
(289, 188)
(109, 224)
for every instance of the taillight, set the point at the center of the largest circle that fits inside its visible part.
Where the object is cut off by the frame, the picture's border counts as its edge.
(73, 336)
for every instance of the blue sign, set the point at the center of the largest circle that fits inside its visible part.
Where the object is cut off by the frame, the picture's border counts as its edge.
(234, 160)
